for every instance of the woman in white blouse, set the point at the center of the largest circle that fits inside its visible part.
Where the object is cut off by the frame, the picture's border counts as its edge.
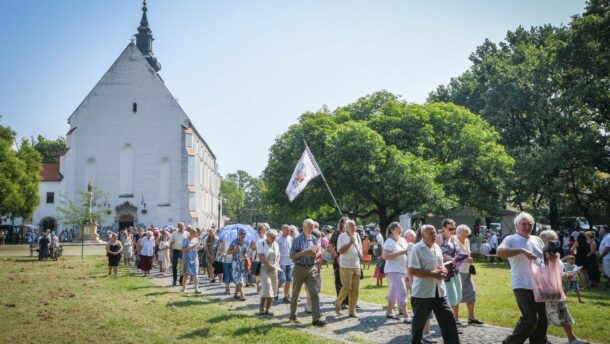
(395, 255)
(268, 252)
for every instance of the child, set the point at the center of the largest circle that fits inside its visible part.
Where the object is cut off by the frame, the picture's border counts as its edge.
(569, 276)
(366, 255)
(379, 274)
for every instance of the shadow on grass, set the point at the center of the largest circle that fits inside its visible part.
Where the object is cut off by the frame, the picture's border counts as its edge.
(258, 329)
(157, 293)
(142, 287)
(25, 260)
(227, 317)
(370, 286)
(187, 303)
(202, 332)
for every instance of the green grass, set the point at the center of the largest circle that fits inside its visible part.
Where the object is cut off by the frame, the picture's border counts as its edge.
(496, 304)
(73, 301)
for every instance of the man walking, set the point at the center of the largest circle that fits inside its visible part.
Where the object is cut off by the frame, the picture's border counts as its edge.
(303, 253)
(428, 291)
(334, 251)
(520, 249)
(285, 276)
(350, 252)
(175, 243)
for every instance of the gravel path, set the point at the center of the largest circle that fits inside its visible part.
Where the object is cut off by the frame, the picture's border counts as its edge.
(372, 327)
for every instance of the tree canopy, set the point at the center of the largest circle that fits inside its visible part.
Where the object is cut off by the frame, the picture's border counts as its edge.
(383, 157)
(19, 176)
(50, 150)
(546, 92)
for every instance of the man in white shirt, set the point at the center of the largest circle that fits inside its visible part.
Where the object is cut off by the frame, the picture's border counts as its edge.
(520, 249)
(493, 243)
(350, 253)
(428, 293)
(284, 241)
(604, 250)
(175, 243)
(485, 248)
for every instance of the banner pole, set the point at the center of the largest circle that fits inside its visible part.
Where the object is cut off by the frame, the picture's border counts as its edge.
(323, 178)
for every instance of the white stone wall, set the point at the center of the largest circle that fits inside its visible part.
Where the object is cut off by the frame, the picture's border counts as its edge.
(47, 209)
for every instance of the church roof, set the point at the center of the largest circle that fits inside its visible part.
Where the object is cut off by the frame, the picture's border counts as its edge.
(50, 173)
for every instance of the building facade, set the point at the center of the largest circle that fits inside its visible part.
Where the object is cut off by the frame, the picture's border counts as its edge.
(131, 139)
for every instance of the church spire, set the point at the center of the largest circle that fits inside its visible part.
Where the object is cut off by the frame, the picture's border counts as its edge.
(144, 39)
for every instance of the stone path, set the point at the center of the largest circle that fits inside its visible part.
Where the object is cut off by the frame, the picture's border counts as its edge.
(372, 327)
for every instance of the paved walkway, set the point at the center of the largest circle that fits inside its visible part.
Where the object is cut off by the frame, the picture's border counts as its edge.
(372, 327)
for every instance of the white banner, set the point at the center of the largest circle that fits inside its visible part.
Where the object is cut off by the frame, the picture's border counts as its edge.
(306, 170)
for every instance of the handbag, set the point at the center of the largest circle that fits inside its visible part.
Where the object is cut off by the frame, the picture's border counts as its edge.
(256, 268)
(472, 270)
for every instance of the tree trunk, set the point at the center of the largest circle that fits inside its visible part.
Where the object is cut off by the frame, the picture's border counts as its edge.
(553, 213)
(384, 221)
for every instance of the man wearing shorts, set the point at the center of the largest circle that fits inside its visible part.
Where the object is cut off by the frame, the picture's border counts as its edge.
(285, 276)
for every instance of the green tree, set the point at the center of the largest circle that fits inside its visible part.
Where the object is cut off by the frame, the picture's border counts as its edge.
(74, 211)
(546, 92)
(233, 198)
(383, 156)
(50, 150)
(19, 177)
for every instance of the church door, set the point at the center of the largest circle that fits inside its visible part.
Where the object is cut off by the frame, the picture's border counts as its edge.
(125, 221)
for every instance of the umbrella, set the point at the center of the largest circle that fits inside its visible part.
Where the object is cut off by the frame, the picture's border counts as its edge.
(229, 233)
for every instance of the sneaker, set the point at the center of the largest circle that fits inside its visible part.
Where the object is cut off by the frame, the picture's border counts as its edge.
(579, 341)
(319, 323)
(429, 339)
(475, 322)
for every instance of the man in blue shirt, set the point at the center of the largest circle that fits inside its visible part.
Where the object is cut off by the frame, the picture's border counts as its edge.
(303, 254)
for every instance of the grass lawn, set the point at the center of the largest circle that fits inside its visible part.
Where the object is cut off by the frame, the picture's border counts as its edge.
(73, 301)
(496, 304)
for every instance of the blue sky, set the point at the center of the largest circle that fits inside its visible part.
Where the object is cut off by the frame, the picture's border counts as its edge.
(246, 70)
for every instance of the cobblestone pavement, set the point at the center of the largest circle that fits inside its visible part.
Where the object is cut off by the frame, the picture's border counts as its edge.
(372, 327)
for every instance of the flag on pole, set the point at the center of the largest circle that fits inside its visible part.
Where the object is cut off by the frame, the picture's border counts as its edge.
(306, 170)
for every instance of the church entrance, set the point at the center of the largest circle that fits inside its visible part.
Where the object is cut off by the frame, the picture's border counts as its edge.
(125, 221)
(126, 215)
(48, 223)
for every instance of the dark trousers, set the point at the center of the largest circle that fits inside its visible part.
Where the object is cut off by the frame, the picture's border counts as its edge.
(444, 316)
(175, 257)
(338, 284)
(533, 322)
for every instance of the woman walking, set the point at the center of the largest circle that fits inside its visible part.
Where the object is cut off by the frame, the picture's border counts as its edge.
(239, 250)
(218, 261)
(210, 252)
(395, 255)
(190, 256)
(450, 247)
(262, 230)
(268, 252)
(163, 252)
(126, 241)
(113, 250)
(593, 271)
(469, 292)
(146, 251)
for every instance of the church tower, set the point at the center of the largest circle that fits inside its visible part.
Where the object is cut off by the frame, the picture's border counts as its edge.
(131, 139)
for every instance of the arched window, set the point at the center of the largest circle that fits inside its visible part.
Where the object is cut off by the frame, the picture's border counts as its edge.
(90, 172)
(164, 182)
(126, 178)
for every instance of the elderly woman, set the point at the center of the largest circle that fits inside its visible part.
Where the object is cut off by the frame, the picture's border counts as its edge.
(395, 255)
(239, 250)
(262, 229)
(126, 241)
(557, 311)
(469, 292)
(268, 253)
(146, 251)
(113, 251)
(190, 257)
(210, 252)
(163, 252)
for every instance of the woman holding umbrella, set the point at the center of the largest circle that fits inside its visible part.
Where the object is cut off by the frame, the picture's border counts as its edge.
(239, 250)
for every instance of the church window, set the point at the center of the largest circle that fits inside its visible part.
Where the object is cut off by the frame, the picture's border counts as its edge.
(50, 197)
(134, 107)
(164, 182)
(126, 176)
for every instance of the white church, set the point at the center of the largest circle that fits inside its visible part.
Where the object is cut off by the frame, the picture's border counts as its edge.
(131, 139)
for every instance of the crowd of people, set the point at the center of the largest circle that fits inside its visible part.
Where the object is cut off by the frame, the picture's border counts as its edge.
(433, 267)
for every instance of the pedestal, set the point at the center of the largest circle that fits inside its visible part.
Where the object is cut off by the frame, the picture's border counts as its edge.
(90, 234)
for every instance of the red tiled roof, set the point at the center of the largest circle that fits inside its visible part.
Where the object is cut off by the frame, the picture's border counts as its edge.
(50, 173)
(193, 214)
(190, 151)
